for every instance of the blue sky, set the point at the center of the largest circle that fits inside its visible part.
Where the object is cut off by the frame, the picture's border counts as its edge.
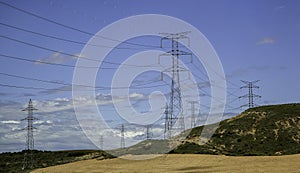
(255, 40)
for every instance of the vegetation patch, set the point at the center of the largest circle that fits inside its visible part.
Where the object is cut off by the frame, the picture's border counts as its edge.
(260, 131)
(13, 162)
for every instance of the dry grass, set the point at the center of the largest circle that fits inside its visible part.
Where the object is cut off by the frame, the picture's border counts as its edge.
(184, 163)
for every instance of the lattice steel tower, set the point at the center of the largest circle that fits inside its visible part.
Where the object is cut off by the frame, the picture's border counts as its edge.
(29, 146)
(122, 137)
(167, 132)
(175, 109)
(101, 142)
(250, 95)
(148, 132)
(193, 114)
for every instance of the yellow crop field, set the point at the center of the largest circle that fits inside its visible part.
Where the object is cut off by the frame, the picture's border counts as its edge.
(183, 163)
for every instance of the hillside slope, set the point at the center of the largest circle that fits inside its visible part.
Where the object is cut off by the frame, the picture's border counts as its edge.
(265, 130)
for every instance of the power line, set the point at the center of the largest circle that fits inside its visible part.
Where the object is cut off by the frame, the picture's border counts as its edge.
(230, 93)
(35, 79)
(206, 93)
(43, 18)
(59, 89)
(43, 62)
(63, 39)
(72, 28)
(87, 86)
(69, 27)
(69, 54)
(56, 64)
(23, 87)
(233, 93)
(44, 48)
(228, 81)
(199, 69)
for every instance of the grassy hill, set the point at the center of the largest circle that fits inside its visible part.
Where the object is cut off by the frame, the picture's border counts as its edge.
(13, 162)
(265, 130)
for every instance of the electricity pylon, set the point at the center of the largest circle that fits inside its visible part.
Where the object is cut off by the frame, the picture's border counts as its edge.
(167, 132)
(175, 109)
(250, 95)
(122, 137)
(148, 132)
(193, 113)
(101, 142)
(29, 146)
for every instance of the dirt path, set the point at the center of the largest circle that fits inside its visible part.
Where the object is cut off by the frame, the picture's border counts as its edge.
(184, 163)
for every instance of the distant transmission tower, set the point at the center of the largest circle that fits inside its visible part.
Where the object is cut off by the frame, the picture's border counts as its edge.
(148, 132)
(101, 142)
(193, 113)
(122, 137)
(250, 95)
(175, 109)
(29, 146)
(167, 132)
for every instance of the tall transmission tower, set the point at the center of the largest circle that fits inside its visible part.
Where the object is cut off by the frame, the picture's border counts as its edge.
(175, 109)
(122, 137)
(193, 113)
(29, 146)
(250, 85)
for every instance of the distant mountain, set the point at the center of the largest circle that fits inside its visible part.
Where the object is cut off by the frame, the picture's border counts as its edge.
(265, 130)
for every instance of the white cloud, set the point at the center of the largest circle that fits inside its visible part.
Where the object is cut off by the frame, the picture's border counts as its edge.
(58, 128)
(57, 90)
(132, 134)
(10, 122)
(63, 104)
(250, 69)
(56, 57)
(40, 122)
(266, 40)
(136, 95)
(78, 55)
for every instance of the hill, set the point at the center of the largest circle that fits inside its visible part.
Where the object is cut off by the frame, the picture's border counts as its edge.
(13, 162)
(145, 147)
(265, 130)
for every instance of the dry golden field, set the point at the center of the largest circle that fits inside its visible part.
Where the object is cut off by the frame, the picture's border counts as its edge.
(184, 163)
